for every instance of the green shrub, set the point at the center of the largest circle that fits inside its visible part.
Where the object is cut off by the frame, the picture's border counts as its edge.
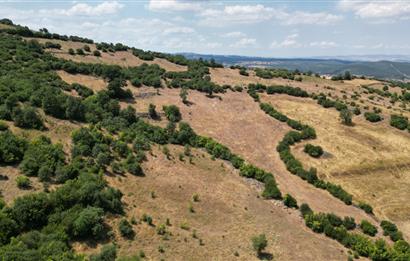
(3, 126)
(349, 223)
(259, 243)
(125, 228)
(372, 117)
(305, 210)
(290, 201)
(27, 117)
(398, 121)
(368, 228)
(172, 113)
(96, 53)
(23, 182)
(366, 207)
(313, 151)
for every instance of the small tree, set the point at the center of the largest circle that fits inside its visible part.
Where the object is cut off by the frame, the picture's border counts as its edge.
(125, 228)
(152, 112)
(259, 243)
(23, 182)
(97, 53)
(184, 95)
(71, 51)
(346, 117)
(290, 201)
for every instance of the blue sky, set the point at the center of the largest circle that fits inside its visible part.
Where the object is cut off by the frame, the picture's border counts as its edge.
(255, 28)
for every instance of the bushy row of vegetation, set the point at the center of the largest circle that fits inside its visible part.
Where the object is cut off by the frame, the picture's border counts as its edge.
(42, 33)
(339, 229)
(302, 132)
(267, 73)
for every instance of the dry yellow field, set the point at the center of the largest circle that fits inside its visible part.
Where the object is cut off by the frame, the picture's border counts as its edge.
(370, 160)
(229, 212)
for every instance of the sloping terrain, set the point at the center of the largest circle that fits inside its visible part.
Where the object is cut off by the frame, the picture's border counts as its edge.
(185, 160)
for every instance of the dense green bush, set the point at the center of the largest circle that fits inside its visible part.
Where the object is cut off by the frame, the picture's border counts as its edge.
(23, 182)
(27, 117)
(290, 201)
(172, 113)
(372, 117)
(12, 148)
(125, 228)
(42, 158)
(368, 228)
(313, 151)
(398, 121)
(366, 207)
(391, 230)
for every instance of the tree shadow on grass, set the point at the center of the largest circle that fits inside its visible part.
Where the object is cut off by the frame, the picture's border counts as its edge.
(265, 256)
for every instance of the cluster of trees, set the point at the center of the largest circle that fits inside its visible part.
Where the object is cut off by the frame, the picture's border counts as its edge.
(347, 76)
(391, 230)
(329, 103)
(292, 91)
(195, 78)
(42, 33)
(313, 151)
(338, 229)
(51, 220)
(267, 73)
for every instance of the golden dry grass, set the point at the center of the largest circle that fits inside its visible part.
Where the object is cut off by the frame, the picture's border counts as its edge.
(228, 214)
(370, 160)
(9, 189)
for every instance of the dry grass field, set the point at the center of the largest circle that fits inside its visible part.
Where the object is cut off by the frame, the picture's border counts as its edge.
(229, 212)
(370, 160)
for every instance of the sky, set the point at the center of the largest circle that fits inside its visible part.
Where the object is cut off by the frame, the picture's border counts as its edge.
(274, 28)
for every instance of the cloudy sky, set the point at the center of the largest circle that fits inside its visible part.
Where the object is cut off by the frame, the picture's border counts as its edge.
(274, 28)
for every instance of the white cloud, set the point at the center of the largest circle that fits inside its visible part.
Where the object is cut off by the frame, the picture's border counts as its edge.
(244, 42)
(235, 34)
(377, 9)
(236, 14)
(323, 44)
(178, 30)
(173, 5)
(249, 14)
(104, 8)
(289, 42)
(299, 17)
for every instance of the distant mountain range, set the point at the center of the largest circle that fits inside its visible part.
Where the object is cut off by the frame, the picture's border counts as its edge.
(378, 66)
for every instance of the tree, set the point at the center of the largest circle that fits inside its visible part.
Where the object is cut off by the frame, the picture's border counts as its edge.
(97, 53)
(108, 253)
(346, 117)
(152, 112)
(125, 228)
(172, 113)
(313, 151)
(71, 51)
(23, 182)
(259, 243)
(368, 228)
(27, 117)
(290, 201)
(347, 76)
(184, 95)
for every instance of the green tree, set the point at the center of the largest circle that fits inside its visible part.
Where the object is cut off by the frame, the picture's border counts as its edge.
(346, 117)
(259, 243)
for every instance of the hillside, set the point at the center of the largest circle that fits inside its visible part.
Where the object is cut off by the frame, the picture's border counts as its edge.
(109, 152)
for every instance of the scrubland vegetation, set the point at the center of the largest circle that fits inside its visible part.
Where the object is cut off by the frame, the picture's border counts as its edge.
(114, 139)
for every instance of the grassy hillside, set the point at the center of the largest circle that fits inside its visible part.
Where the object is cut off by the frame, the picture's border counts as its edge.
(109, 152)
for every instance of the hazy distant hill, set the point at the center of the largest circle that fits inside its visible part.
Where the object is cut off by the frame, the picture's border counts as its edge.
(379, 69)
